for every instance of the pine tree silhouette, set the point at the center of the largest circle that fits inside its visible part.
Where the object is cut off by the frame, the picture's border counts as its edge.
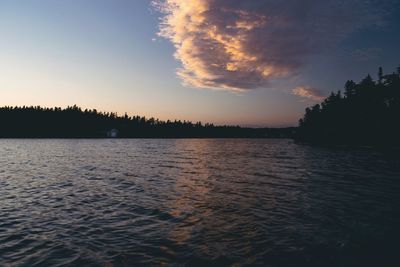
(73, 122)
(369, 113)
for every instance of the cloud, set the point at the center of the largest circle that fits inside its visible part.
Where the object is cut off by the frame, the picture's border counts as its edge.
(309, 93)
(243, 44)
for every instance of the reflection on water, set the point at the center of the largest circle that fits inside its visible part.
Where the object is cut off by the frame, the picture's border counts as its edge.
(196, 202)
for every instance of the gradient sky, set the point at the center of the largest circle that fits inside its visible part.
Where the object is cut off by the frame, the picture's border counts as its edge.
(247, 62)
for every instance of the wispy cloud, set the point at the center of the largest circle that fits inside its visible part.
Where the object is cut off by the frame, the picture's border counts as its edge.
(243, 44)
(309, 93)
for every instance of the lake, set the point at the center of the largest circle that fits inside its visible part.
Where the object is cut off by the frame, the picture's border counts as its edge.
(197, 202)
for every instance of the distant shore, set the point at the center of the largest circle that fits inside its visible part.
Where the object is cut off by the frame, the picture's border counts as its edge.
(73, 122)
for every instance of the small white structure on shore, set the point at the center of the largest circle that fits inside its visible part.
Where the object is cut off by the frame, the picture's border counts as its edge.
(113, 133)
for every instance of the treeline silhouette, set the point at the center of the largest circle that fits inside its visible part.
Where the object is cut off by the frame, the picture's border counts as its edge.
(367, 113)
(73, 122)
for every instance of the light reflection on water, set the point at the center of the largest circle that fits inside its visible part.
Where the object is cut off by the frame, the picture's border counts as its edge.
(196, 202)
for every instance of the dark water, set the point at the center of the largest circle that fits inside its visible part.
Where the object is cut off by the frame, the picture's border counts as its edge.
(196, 202)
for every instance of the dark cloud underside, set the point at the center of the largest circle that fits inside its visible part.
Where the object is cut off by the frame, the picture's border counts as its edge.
(243, 44)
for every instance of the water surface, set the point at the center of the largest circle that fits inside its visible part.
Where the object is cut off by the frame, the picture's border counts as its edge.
(196, 202)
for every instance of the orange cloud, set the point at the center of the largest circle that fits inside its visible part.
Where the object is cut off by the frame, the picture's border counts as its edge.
(241, 45)
(216, 54)
(308, 92)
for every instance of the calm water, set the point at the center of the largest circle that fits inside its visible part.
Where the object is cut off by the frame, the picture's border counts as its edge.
(196, 202)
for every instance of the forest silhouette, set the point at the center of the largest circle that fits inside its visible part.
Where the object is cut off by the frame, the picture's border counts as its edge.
(73, 122)
(368, 113)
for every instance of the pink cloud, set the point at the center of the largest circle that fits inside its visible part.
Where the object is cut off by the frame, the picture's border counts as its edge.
(243, 44)
(309, 93)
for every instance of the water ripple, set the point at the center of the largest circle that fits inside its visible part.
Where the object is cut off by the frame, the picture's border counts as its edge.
(196, 202)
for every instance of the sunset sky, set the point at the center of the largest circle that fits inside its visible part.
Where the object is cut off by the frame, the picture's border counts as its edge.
(246, 62)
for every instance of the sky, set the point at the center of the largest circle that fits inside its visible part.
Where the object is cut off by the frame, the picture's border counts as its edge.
(243, 62)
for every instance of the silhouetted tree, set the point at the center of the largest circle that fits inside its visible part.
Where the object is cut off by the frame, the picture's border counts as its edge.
(350, 89)
(368, 114)
(73, 122)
